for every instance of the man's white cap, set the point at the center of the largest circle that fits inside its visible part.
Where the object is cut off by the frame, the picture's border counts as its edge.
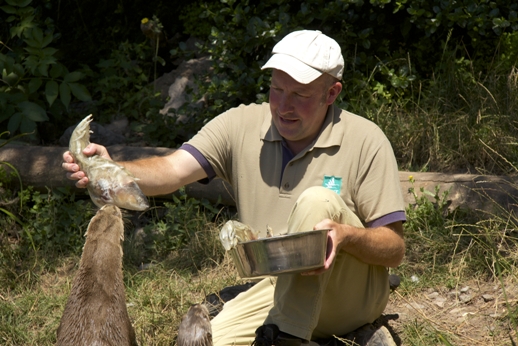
(305, 55)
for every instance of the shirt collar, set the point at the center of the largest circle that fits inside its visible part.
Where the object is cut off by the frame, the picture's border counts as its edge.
(329, 136)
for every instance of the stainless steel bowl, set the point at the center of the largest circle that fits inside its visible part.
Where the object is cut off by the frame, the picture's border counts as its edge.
(291, 253)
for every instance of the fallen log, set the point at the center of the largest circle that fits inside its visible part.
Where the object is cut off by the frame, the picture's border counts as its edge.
(40, 167)
(487, 193)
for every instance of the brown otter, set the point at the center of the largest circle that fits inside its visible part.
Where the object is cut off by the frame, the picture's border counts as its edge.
(195, 329)
(95, 313)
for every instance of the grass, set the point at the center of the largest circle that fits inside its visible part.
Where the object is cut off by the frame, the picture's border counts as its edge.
(461, 119)
(157, 297)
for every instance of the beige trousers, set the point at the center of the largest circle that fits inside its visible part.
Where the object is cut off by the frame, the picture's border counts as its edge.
(347, 296)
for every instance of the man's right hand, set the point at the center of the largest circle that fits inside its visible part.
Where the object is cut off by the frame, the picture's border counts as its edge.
(72, 168)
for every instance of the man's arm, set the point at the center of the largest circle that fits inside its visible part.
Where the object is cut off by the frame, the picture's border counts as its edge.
(382, 245)
(158, 175)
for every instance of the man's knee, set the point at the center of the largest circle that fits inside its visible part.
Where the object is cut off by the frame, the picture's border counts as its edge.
(314, 205)
(319, 200)
(318, 193)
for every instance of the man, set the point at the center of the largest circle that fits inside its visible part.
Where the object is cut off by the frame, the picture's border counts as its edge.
(296, 164)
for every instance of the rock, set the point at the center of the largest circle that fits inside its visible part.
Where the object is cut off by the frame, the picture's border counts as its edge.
(394, 281)
(433, 295)
(416, 306)
(440, 302)
(456, 311)
(453, 295)
(465, 298)
(488, 297)
(173, 85)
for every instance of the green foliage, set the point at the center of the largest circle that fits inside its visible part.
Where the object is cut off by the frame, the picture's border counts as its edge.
(55, 220)
(429, 213)
(379, 40)
(460, 120)
(392, 50)
(431, 233)
(182, 218)
(429, 224)
(90, 29)
(32, 76)
(190, 16)
(122, 79)
(445, 246)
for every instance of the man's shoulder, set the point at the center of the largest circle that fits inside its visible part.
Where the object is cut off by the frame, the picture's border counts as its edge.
(355, 119)
(356, 127)
(250, 109)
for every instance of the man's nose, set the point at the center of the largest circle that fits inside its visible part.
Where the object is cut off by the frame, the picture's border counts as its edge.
(285, 104)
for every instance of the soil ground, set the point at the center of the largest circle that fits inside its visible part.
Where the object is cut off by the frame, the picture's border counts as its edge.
(470, 314)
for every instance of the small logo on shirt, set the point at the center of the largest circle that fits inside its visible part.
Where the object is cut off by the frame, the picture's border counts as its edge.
(332, 183)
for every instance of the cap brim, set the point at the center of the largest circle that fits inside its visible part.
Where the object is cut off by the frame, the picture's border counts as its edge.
(298, 70)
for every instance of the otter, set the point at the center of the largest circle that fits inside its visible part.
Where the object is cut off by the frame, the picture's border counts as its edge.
(195, 329)
(95, 313)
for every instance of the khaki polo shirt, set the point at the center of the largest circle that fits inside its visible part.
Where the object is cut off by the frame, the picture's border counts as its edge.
(351, 156)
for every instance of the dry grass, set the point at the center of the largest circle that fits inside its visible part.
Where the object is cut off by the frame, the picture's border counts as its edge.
(157, 297)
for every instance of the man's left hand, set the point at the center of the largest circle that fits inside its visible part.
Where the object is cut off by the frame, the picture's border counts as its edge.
(335, 239)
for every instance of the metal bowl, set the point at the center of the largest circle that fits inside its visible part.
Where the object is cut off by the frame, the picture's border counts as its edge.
(291, 253)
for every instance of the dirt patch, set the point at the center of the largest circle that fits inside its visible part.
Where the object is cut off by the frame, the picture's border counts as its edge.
(475, 313)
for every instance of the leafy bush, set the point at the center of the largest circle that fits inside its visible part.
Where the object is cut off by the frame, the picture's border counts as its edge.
(183, 216)
(55, 221)
(389, 47)
(33, 79)
(446, 243)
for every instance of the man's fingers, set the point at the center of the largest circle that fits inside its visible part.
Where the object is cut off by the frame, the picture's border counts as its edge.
(67, 157)
(70, 167)
(314, 272)
(327, 264)
(73, 171)
(90, 149)
(82, 183)
(82, 180)
(96, 149)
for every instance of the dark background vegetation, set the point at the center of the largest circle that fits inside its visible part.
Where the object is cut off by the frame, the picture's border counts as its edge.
(437, 76)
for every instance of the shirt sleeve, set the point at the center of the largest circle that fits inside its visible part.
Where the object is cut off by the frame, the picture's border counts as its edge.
(211, 174)
(387, 219)
(378, 189)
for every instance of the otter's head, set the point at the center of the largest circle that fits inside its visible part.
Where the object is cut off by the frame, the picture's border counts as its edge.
(107, 223)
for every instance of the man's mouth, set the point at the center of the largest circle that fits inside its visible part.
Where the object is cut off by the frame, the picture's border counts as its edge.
(287, 121)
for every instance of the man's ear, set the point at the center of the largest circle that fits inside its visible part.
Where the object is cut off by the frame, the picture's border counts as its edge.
(333, 92)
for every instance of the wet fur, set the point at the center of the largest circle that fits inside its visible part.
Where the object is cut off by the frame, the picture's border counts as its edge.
(195, 328)
(95, 313)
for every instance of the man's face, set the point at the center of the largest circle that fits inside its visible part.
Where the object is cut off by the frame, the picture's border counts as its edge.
(298, 110)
